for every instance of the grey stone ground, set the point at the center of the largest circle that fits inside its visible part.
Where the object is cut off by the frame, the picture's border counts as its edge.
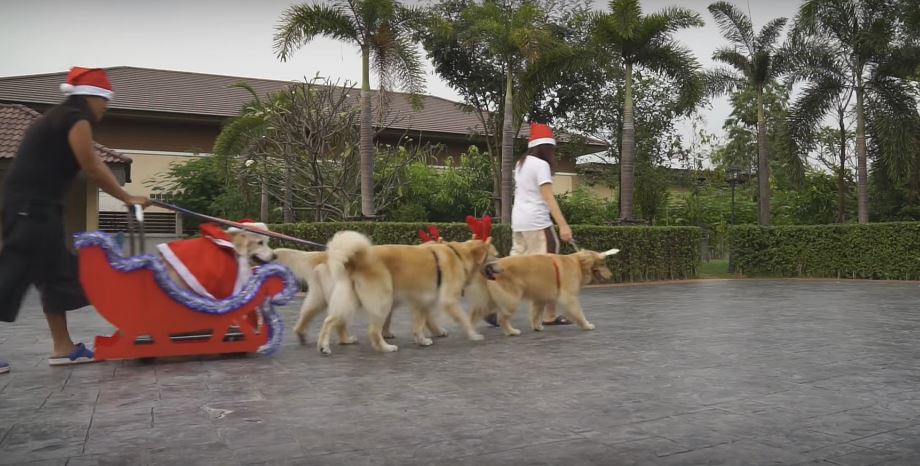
(734, 373)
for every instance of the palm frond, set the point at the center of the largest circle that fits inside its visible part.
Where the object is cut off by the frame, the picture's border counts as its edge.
(808, 111)
(766, 39)
(735, 59)
(404, 66)
(625, 16)
(300, 24)
(734, 24)
(677, 62)
(895, 125)
(670, 20)
(238, 134)
(720, 81)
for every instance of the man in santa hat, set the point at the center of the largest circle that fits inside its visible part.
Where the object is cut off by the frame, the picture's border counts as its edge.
(54, 149)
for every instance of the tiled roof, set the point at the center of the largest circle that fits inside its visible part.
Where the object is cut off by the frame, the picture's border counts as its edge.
(181, 92)
(15, 119)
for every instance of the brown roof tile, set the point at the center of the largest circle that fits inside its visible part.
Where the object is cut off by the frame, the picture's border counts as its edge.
(15, 120)
(181, 92)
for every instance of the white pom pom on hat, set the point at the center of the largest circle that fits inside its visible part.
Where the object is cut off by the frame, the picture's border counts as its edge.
(88, 81)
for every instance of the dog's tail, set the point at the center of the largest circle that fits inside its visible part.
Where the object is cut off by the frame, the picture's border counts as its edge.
(345, 249)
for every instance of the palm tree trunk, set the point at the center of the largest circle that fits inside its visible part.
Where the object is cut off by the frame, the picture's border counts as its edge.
(507, 151)
(367, 138)
(628, 151)
(763, 165)
(862, 174)
(288, 204)
(841, 173)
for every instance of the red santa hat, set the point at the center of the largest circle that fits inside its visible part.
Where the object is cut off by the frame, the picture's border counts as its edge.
(540, 134)
(251, 224)
(88, 81)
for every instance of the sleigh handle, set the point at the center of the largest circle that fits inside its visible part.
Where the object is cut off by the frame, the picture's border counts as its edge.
(136, 214)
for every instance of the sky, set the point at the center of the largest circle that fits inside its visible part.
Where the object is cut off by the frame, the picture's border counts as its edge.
(234, 37)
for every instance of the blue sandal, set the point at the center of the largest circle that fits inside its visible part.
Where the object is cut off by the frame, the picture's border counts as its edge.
(80, 355)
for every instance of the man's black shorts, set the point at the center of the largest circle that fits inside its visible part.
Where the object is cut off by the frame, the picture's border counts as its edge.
(34, 252)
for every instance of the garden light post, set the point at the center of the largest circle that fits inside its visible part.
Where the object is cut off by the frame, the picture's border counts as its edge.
(733, 177)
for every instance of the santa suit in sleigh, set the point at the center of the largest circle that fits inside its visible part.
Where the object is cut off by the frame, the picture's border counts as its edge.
(209, 265)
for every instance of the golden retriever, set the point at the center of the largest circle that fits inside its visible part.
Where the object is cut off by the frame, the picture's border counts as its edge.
(377, 279)
(540, 279)
(201, 265)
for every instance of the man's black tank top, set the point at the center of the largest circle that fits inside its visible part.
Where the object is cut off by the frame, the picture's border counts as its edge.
(45, 166)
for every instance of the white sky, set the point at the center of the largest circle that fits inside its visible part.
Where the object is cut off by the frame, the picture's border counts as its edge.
(234, 37)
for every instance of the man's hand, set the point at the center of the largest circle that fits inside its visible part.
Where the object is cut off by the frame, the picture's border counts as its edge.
(142, 201)
(565, 233)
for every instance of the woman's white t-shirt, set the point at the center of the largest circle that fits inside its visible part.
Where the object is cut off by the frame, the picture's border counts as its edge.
(529, 211)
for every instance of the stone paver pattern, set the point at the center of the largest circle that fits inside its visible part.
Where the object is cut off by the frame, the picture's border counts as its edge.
(709, 372)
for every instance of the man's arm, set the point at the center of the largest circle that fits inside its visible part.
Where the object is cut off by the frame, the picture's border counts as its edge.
(80, 138)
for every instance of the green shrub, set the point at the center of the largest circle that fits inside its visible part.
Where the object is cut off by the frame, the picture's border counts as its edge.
(875, 251)
(646, 253)
(583, 207)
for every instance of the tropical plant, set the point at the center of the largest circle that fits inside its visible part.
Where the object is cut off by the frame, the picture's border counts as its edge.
(857, 33)
(757, 61)
(381, 29)
(647, 41)
(502, 56)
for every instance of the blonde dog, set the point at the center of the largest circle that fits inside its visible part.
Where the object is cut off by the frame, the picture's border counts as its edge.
(540, 279)
(311, 269)
(379, 278)
(218, 263)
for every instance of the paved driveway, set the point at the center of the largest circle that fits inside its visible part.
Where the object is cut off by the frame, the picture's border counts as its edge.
(719, 372)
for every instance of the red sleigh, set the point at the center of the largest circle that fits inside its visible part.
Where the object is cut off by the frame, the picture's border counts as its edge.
(156, 318)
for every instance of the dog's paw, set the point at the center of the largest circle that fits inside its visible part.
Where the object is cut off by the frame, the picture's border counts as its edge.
(388, 348)
(512, 332)
(424, 341)
(349, 341)
(441, 334)
(538, 328)
(588, 326)
(302, 338)
(324, 350)
(477, 337)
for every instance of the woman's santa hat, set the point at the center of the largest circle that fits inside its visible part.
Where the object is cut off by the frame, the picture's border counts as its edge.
(540, 134)
(88, 81)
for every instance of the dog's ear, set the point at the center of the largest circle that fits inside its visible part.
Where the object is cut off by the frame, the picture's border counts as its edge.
(586, 260)
(240, 243)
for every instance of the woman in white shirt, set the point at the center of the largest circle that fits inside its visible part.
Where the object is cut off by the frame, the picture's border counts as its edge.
(535, 207)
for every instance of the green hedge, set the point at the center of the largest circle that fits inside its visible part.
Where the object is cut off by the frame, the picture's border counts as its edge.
(874, 251)
(646, 253)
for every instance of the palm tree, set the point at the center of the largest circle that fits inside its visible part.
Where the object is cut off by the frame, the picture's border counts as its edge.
(757, 62)
(861, 31)
(828, 89)
(246, 136)
(646, 41)
(519, 35)
(381, 29)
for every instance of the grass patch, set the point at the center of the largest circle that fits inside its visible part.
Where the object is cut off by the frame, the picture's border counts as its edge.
(715, 269)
